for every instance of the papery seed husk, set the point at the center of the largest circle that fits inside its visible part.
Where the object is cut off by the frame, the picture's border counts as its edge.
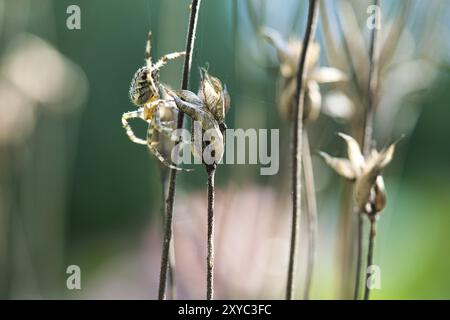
(341, 165)
(379, 201)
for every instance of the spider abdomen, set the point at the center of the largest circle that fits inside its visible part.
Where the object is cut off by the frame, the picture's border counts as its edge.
(140, 90)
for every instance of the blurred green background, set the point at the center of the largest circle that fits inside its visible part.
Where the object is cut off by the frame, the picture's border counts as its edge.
(75, 190)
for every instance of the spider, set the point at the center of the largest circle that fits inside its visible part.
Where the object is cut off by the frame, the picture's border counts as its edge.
(149, 95)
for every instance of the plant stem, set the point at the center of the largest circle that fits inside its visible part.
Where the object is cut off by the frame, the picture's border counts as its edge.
(195, 6)
(345, 245)
(311, 212)
(211, 170)
(171, 279)
(367, 138)
(359, 236)
(372, 234)
(297, 147)
(366, 142)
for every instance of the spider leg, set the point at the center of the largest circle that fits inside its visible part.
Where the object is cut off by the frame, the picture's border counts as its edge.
(165, 58)
(133, 115)
(152, 147)
(165, 127)
(148, 61)
(168, 123)
(198, 113)
(161, 102)
(148, 48)
(160, 127)
(155, 104)
(185, 95)
(192, 110)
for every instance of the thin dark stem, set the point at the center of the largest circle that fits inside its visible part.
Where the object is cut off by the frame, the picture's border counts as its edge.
(372, 235)
(359, 236)
(346, 248)
(195, 6)
(164, 175)
(297, 147)
(311, 212)
(367, 138)
(211, 170)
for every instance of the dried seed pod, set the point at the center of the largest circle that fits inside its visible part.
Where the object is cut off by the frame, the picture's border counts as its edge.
(288, 53)
(215, 97)
(379, 200)
(371, 171)
(313, 101)
(369, 191)
(286, 98)
(189, 103)
(354, 153)
(207, 109)
(341, 165)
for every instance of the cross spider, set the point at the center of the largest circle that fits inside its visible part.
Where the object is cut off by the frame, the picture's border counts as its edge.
(150, 96)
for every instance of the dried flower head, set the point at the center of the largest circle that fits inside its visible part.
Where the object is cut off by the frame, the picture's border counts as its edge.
(208, 108)
(214, 95)
(369, 191)
(288, 53)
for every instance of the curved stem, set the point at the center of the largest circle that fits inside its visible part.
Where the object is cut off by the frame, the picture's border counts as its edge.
(366, 142)
(345, 245)
(297, 147)
(195, 6)
(358, 256)
(372, 235)
(171, 279)
(367, 138)
(211, 170)
(311, 212)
